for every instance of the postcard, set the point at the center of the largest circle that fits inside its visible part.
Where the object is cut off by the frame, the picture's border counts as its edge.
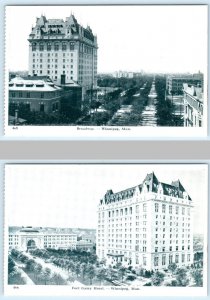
(106, 71)
(106, 229)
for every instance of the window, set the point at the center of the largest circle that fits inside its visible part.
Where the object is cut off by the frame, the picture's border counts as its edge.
(156, 249)
(56, 46)
(188, 257)
(156, 261)
(126, 211)
(163, 208)
(41, 47)
(20, 94)
(42, 107)
(137, 208)
(144, 207)
(64, 46)
(28, 95)
(170, 259)
(177, 258)
(71, 46)
(156, 207)
(177, 210)
(183, 258)
(130, 210)
(170, 248)
(49, 46)
(34, 47)
(183, 210)
(42, 95)
(163, 260)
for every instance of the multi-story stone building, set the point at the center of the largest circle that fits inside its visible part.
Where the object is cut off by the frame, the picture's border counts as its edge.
(193, 106)
(65, 51)
(32, 238)
(149, 225)
(174, 83)
(37, 95)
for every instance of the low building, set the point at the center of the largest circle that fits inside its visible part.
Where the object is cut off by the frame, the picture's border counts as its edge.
(38, 95)
(174, 83)
(85, 245)
(29, 238)
(193, 106)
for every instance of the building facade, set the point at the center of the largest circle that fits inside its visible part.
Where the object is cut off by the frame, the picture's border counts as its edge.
(193, 106)
(149, 225)
(38, 95)
(29, 238)
(174, 83)
(63, 50)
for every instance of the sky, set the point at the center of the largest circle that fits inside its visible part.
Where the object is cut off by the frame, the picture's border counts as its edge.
(68, 195)
(131, 38)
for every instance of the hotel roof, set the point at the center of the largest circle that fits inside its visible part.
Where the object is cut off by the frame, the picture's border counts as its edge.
(175, 189)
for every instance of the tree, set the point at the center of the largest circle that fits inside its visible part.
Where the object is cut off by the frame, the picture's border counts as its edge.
(122, 271)
(157, 278)
(15, 277)
(111, 273)
(91, 272)
(101, 274)
(181, 277)
(37, 269)
(30, 265)
(77, 269)
(11, 265)
(83, 269)
(197, 275)
(172, 267)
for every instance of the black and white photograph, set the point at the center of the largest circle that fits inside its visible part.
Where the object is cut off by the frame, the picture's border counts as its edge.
(106, 229)
(106, 71)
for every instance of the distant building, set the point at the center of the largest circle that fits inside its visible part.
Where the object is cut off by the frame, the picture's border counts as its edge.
(85, 245)
(65, 51)
(193, 106)
(174, 83)
(148, 225)
(123, 74)
(29, 238)
(38, 95)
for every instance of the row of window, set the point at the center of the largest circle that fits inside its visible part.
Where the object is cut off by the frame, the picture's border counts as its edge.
(177, 257)
(51, 54)
(56, 46)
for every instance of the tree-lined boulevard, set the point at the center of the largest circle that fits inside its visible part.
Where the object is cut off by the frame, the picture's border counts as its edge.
(77, 268)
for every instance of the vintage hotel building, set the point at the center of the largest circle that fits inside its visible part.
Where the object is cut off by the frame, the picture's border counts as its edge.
(149, 225)
(63, 50)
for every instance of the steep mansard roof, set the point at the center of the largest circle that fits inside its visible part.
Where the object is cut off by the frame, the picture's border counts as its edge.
(175, 189)
(59, 27)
